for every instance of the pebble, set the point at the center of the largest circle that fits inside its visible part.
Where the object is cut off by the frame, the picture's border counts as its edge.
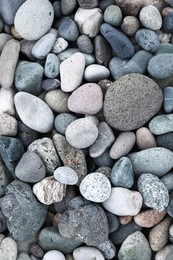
(122, 173)
(61, 206)
(165, 62)
(50, 84)
(8, 61)
(28, 77)
(30, 110)
(165, 140)
(159, 235)
(8, 249)
(150, 17)
(122, 145)
(154, 192)
(66, 175)
(165, 48)
(53, 255)
(3, 222)
(169, 209)
(88, 4)
(62, 121)
(156, 160)
(86, 223)
(124, 220)
(67, 153)
(103, 5)
(104, 140)
(130, 25)
(43, 46)
(57, 100)
(130, 8)
(95, 187)
(119, 42)
(87, 252)
(135, 246)
(23, 256)
(45, 148)
(161, 124)
(5, 178)
(30, 168)
(104, 160)
(8, 125)
(147, 39)
(96, 72)
(162, 254)
(18, 206)
(26, 49)
(49, 190)
(113, 15)
(102, 50)
(123, 202)
(168, 98)
(68, 29)
(60, 45)
(36, 250)
(167, 179)
(145, 139)
(117, 67)
(149, 218)
(52, 64)
(87, 99)
(26, 134)
(67, 6)
(169, 2)
(49, 238)
(71, 72)
(122, 108)
(88, 21)
(33, 19)
(4, 38)
(85, 44)
(108, 249)
(81, 133)
(167, 23)
(113, 221)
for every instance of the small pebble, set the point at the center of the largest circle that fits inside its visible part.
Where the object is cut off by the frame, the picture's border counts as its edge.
(85, 44)
(165, 140)
(150, 17)
(62, 121)
(104, 160)
(23, 256)
(149, 218)
(50, 84)
(147, 39)
(113, 221)
(130, 8)
(168, 99)
(145, 139)
(124, 220)
(8, 125)
(96, 72)
(8, 249)
(162, 254)
(87, 252)
(57, 100)
(113, 15)
(167, 23)
(68, 29)
(130, 25)
(95, 187)
(53, 255)
(67, 6)
(108, 249)
(161, 124)
(102, 50)
(167, 179)
(4, 37)
(66, 175)
(60, 45)
(52, 64)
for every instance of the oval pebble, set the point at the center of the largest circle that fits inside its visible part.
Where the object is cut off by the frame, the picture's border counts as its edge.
(154, 192)
(34, 112)
(123, 202)
(161, 124)
(130, 25)
(68, 29)
(147, 39)
(57, 100)
(81, 133)
(167, 23)
(96, 72)
(33, 19)
(62, 121)
(113, 15)
(85, 44)
(150, 17)
(145, 139)
(87, 99)
(168, 99)
(52, 64)
(162, 254)
(87, 252)
(95, 187)
(53, 255)
(66, 175)
(149, 218)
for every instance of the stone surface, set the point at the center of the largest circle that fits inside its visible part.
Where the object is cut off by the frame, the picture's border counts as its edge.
(154, 192)
(57, 100)
(71, 72)
(167, 23)
(162, 254)
(130, 25)
(96, 72)
(8, 125)
(30, 110)
(36, 250)
(149, 218)
(136, 247)
(145, 139)
(51, 68)
(157, 160)
(7, 101)
(8, 249)
(60, 45)
(130, 7)
(33, 19)
(95, 187)
(81, 133)
(147, 39)
(104, 160)
(113, 15)
(68, 6)
(66, 175)
(18, 205)
(150, 17)
(87, 252)
(62, 121)
(107, 249)
(102, 50)
(23, 256)
(68, 29)
(123, 202)
(30, 168)
(161, 124)
(87, 99)
(122, 173)
(168, 97)
(85, 44)
(5, 177)
(61, 206)
(53, 255)
(49, 190)
(26, 134)
(8, 61)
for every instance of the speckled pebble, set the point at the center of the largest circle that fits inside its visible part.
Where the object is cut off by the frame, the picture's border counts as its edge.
(108, 249)
(149, 218)
(150, 17)
(161, 124)
(66, 175)
(8, 125)
(57, 100)
(130, 25)
(147, 39)
(8, 249)
(60, 45)
(52, 64)
(95, 187)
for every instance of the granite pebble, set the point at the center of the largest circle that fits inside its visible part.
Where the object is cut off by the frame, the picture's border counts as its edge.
(147, 39)
(130, 25)
(150, 17)
(60, 45)
(8, 249)
(8, 125)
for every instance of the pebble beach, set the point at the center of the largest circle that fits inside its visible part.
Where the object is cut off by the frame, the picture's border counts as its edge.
(86, 129)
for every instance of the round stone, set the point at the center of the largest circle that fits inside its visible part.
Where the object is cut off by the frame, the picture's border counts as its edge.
(168, 99)
(113, 15)
(145, 139)
(154, 192)
(96, 72)
(122, 108)
(95, 187)
(68, 29)
(52, 64)
(87, 252)
(33, 19)
(150, 17)
(53, 255)
(161, 124)
(148, 40)
(57, 100)
(85, 44)
(130, 25)
(62, 121)
(81, 133)
(149, 218)
(8, 249)
(66, 175)
(50, 84)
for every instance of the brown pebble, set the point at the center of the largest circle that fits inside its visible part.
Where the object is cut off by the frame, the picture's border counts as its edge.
(161, 254)
(56, 219)
(130, 25)
(149, 218)
(145, 139)
(159, 235)
(36, 250)
(130, 7)
(69, 257)
(125, 219)
(166, 11)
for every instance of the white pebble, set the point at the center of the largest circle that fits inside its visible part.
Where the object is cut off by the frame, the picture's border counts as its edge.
(53, 255)
(66, 175)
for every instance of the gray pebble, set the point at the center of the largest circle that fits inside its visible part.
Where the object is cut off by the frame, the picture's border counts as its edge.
(67, 6)
(150, 17)
(165, 140)
(62, 205)
(4, 37)
(161, 124)
(84, 44)
(167, 180)
(88, 4)
(104, 4)
(57, 100)
(3, 223)
(50, 84)
(62, 121)
(108, 249)
(66, 175)
(26, 134)
(113, 15)
(5, 178)
(26, 49)
(169, 208)
(113, 221)
(57, 9)
(52, 64)
(168, 99)
(23, 256)
(102, 50)
(117, 67)
(68, 29)
(147, 40)
(104, 160)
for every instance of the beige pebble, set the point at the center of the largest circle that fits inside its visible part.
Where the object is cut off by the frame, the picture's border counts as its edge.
(130, 25)
(161, 254)
(145, 139)
(149, 218)
(124, 220)
(57, 100)
(8, 125)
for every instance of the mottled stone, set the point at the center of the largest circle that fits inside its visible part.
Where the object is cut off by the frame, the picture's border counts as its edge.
(96, 72)
(57, 100)
(67, 6)
(147, 39)
(5, 178)
(62, 205)
(8, 249)
(130, 7)
(145, 139)
(60, 45)
(51, 68)
(36, 250)
(150, 17)
(113, 15)
(8, 125)
(108, 249)
(149, 218)
(130, 25)
(124, 220)
(162, 254)
(102, 50)
(161, 124)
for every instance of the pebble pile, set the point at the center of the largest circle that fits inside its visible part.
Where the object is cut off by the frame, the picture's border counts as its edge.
(86, 129)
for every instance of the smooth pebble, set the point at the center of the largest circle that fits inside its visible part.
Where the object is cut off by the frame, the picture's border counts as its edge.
(53, 255)
(66, 175)
(96, 72)
(150, 17)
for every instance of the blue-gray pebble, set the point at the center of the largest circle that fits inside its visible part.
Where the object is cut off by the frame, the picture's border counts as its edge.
(104, 160)
(84, 44)
(68, 29)
(168, 99)
(51, 68)
(62, 121)
(147, 40)
(122, 173)
(50, 84)
(165, 140)
(113, 15)
(119, 42)
(165, 47)
(168, 23)
(113, 221)
(167, 179)
(161, 124)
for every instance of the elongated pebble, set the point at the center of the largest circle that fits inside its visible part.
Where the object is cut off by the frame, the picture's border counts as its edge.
(66, 175)
(96, 72)
(161, 124)
(145, 139)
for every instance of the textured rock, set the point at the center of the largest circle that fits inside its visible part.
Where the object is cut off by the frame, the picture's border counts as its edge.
(145, 139)
(60, 45)
(61, 206)
(50, 84)
(122, 108)
(36, 250)
(68, 6)
(149, 218)
(154, 192)
(150, 17)
(161, 124)
(33, 19)
(57, 100)
(49, 190)
(165, 140)
(113, 221)
(8, 249)
(51, 68)
(167, 23)
(5, 178)
(108, 249)
(113, 15)
(88, 4)
(130, 7)
(68, 29)
(123, 202)
(66, 175)
(87, 252)
(130, 25)
(85, 44)
(8, 61)
(167, 179)
(8, 125)
(162, 254)
(18, 206)
(147, 39)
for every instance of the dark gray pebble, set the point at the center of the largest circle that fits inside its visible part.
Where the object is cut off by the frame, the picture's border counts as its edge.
(102, 50)
(104, 160)
(84, 44)
(168, 23)
(113, 221)
(165, 140)
(50, 84)
(26, 134)
(167, 179)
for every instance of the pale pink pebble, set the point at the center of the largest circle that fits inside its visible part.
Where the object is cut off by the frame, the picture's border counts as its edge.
(124, 220)
(161, 255)
(145, 139)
